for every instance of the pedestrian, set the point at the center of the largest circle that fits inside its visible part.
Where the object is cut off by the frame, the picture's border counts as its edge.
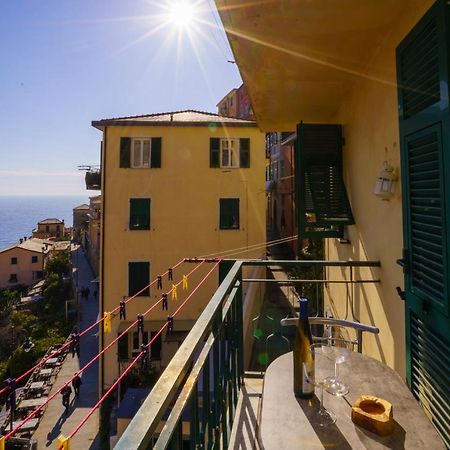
(66, 391)
(76, 383)
(75, 344)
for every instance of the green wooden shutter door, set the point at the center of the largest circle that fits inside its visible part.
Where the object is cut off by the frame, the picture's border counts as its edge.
(125, 152)
(244, 152)
(138, 278)
(423, 79)
(156, 152)
(140, 213)
(122, 347)
(214, 152)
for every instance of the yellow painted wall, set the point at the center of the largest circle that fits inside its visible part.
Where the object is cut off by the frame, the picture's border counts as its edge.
(24, 267)
(369, 115)
(184, 194)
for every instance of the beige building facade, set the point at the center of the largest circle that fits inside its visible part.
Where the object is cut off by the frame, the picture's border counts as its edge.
(50, 228)
(174, 185)
(23, 263)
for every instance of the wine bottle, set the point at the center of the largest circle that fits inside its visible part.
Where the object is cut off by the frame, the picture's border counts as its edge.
(303, 357)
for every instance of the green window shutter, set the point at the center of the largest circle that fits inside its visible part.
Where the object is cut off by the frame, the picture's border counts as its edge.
(13, 260)
(34, 259)
(156, 152)
(244, 152)
(423, 59)
(125, 152)
(138, 278)
(229, 213)
(224, 268)
(122, 347)
(140, 213)
(323, 205)
(214, 152)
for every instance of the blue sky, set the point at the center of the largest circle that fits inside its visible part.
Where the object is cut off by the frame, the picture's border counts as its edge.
(66, 63)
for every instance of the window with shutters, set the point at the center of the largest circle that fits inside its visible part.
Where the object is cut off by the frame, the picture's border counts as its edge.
(229, 153)
(139, 279)
(138, 339)
(229, 213)
(323, 205)
(140, 213)
(13, 260)
(34, 259)
(140, 153)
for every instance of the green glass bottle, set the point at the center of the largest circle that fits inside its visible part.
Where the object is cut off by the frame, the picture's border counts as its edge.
(303, 357)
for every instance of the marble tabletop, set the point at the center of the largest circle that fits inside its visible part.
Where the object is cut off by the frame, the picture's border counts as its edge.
(286, 422)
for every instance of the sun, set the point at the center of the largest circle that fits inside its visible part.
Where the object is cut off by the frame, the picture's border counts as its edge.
(182, 13)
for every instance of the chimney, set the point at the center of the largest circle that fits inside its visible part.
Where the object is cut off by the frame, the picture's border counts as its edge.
(20, 240)
(171, 117)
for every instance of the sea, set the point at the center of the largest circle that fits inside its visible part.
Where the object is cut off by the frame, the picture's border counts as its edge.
(19, 215)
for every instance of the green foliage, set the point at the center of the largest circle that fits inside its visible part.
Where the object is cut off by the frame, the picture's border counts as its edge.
(8, 298)
(313, 251)
(23, 319)
(59, 265)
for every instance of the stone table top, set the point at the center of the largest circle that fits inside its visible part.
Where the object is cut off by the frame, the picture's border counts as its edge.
(30, 424)
(31, 403)
(286, 421)
(45, 372)
(36, 385)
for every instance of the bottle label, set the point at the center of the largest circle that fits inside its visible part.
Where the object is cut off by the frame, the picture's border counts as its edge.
(308, 378)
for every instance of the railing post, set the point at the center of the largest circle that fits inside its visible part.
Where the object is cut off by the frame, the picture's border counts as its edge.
(240, 330)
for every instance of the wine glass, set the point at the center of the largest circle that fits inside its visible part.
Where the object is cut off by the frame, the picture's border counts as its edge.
(324, 364)
(341, 348)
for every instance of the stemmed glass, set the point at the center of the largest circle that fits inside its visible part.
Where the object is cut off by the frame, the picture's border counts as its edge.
(341, 349)
(324, 364)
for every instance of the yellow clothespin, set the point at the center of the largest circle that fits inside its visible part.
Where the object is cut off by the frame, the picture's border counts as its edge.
(2, 443)
(185, 283)
(174, 292)
(107, 326)
(63, 443)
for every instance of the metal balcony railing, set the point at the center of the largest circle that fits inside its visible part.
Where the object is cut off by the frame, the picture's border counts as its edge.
(204, 378)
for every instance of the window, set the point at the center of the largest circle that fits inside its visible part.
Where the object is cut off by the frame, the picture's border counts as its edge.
(229, 213)
(229, 153)
(139, 278)
(13, 278)
(47, 229)
(34, 259)
(137, 341)
(139, 214)
(140, 153)
(122, 347)
(13, 260)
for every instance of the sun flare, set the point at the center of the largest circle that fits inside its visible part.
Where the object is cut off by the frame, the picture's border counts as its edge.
(182, 13)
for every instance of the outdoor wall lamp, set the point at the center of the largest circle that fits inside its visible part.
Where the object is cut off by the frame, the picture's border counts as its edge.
(385, 183)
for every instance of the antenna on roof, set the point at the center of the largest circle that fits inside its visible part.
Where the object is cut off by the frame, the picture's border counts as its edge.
(171, 117)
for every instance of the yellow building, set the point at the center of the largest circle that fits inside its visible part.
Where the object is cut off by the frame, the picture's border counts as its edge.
(174, 185)
(379, 70)
(50, 228)
(23, 263)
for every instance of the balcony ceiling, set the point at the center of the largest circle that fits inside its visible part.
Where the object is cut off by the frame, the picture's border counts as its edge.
(298, 58)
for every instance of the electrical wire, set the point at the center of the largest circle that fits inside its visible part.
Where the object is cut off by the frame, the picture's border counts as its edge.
(67, 344)
(136, 359)
(89, 363)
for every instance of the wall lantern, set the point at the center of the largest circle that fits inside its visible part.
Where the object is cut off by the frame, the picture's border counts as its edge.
(386, 181)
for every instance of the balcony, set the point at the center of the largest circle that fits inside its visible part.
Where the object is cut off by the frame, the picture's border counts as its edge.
(93, 177)
(215, 378)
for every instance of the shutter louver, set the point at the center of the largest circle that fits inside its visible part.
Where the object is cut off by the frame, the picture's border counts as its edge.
(322, 198)
(244, 152)
(122, 347)
(138, 278)
(156, 152)
(214, 152)
(125, 152)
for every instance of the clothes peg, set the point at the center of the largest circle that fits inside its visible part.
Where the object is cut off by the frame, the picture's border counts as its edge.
(170, 324)
(159, 282)
(174, 292)
(165, 303)
(170, 271)
(185, 283)
(122, 310)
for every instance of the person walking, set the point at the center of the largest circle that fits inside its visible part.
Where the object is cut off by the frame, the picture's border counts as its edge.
(76, 383)
(66, 391)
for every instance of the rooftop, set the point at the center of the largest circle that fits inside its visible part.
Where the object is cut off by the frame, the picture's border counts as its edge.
(51, 220)
(176, 118)
(32, 244)
(83, 206)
